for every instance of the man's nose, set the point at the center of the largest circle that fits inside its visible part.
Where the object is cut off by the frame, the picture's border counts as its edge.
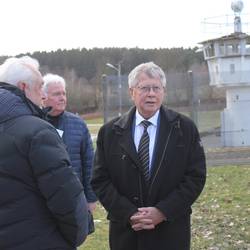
(43, 96)
(62, 97)
(151, 91)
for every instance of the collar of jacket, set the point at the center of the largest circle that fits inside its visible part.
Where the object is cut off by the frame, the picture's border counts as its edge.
(127, 119)
(35, 110)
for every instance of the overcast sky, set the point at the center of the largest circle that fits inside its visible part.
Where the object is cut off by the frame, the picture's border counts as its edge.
(45, 25)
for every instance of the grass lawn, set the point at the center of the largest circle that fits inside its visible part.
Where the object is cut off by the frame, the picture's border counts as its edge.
(207, 120)
(94, 125)
(98, 120)
(220, 218)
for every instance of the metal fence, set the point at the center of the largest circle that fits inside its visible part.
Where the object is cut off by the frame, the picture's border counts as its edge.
(188, 93)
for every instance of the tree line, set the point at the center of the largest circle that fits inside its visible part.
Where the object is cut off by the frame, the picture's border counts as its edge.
(83, 68)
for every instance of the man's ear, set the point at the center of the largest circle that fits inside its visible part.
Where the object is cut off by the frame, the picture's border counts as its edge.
(131, 92)
(22, 85)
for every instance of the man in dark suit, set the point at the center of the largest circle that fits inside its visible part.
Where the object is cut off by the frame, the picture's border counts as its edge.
(149, 169)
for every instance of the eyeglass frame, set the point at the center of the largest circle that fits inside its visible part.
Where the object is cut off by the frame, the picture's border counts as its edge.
(147, 89)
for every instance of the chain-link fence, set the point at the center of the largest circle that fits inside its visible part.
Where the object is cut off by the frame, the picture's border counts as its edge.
(188, 93)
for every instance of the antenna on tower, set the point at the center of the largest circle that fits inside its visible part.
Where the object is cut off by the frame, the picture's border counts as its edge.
(235, 22)
(237, 6)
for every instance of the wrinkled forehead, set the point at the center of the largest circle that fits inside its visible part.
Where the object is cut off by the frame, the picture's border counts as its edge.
(56, 87)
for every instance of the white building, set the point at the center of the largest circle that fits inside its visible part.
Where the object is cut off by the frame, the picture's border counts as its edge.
(228, 59)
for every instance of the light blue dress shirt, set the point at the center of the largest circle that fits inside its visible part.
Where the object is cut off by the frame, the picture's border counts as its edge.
(151, 132)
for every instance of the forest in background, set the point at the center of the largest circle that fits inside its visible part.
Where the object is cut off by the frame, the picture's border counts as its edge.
(83, 68)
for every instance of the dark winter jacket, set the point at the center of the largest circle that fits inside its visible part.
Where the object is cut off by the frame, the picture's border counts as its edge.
(42, 203)
(80, 148)
(178, 175)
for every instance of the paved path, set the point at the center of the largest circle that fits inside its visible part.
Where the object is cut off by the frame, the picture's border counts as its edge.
(216, 155)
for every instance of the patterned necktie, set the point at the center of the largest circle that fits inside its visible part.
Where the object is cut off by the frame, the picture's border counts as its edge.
(143, 150)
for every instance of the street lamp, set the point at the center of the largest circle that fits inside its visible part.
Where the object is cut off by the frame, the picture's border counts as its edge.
(118, 69)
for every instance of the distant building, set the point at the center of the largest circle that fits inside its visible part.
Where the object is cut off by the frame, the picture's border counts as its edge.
(228, 59)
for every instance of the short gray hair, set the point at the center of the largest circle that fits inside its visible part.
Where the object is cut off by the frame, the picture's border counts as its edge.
(150, 69)
(15, 70)
(50, 79)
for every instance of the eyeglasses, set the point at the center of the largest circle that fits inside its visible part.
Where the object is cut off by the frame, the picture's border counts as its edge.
(146, 89)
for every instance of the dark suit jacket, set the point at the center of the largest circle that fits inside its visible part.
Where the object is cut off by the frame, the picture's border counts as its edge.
(178, 177)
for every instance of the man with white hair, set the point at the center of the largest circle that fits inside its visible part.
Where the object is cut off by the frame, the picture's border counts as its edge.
(42, 202)
(149, 169)
(74, 132)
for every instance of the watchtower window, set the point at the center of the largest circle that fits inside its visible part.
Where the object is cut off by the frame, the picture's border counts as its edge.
(232, 49)
(232, 68)
(248, 47)
(222, 49)
(217, 69)
(210, 50)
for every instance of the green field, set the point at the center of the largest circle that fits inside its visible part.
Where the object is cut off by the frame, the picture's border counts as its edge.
(94, 125)
(207, 120)
(220, 218)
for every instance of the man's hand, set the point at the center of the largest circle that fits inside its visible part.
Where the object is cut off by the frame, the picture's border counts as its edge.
(139, 221)
(152, 213)
(92, 206)
(146, 218)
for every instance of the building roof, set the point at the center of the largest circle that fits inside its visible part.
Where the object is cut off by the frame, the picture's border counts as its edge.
(235, 35)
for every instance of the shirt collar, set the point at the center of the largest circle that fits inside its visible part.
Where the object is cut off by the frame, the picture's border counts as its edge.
(139, 118)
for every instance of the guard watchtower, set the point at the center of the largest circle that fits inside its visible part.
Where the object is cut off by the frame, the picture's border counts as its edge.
(228, 59)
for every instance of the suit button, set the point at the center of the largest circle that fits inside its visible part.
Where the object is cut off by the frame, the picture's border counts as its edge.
(135, 198)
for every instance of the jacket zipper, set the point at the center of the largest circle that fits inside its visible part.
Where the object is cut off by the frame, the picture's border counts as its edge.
(163, 155)
(140, 188)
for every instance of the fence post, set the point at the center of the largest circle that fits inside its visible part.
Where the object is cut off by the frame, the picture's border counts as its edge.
(193, 98)
(104, 96)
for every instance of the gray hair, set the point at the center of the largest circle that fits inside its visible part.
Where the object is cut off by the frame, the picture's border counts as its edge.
(15, 70)
(150, 69)
(50, 79)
